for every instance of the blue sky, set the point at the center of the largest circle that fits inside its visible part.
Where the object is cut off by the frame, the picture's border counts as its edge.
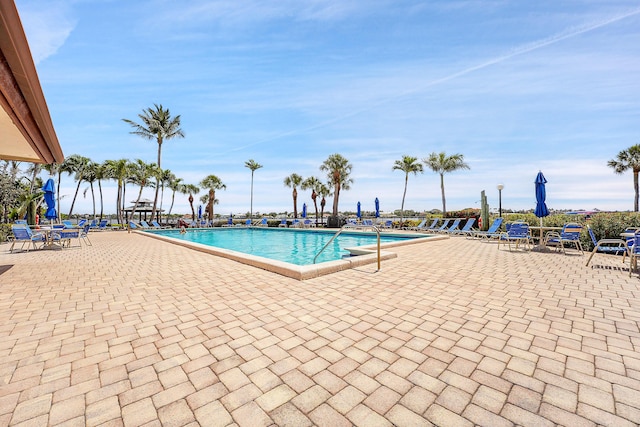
(514, 86)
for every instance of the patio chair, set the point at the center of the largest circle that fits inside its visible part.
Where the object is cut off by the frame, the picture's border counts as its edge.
(81, 223)
(634, 252)
(570, 234)
(144, 224)
(492, 232)
(517, 233)
(84, 234)
(155, 224)
(420, 226)
(103, 224)
(467, 229)
(443, 226)
(68, 224)
(388, 224)
(454, 226)
(263, 223)
(133, 225)
(22, 233)
(283, 223)
(607, 246)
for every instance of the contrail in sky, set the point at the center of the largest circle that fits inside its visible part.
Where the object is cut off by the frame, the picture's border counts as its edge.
(566, 34)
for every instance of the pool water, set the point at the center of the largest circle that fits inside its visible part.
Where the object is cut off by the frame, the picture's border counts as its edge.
(297, 247)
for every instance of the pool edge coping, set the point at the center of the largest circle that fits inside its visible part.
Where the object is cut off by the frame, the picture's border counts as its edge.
(367, 254)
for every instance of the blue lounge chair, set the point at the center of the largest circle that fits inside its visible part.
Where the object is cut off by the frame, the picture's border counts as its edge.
(467, 229)
(453, 227)
(144, 224)
(283, 223)
(263, 223)
(517, 233)
(103, 224)
(155, 224)
(492, 232)
(68, 224)
(570, 234)
(22, 233)
(607, 246)
(94, 224)
(443, 226)
(388, 224)
(421, 226)
(133, 225)
(81, 223)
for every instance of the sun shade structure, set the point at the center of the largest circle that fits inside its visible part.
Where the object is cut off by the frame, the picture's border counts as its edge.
(26, 130)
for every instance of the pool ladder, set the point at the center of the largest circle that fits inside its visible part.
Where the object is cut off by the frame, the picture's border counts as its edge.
(373, 227)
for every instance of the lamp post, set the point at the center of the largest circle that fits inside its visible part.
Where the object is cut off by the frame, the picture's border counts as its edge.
(500, 187)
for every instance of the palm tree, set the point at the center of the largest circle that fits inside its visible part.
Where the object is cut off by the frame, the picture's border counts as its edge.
(625, 160)
(191, 189)
(166, 177)
(176, 186)
(441, 163)
(141, 174)
(77, 165)
(157, 124)
(253, 165)
(91, 176)
(323, 191)
(312, 183)
(338, 170)
(408, 165)
(293, 181)
(119, 171)
(213, 183)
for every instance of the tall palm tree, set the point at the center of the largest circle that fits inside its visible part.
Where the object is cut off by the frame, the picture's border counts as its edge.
(166, 177)
(625, 160)
(312, 183)
(76, 165)
(142, 174)
(157, 124)
(191, 189)
(212, 183)
(441, 163)
(119, 171)
(253, 165)
(91, 176)
(176, 186)
(323, 192)
(293, 181)
(408, 164)
(338, 170)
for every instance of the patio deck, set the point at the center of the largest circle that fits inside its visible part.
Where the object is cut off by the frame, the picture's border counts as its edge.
(133, 331)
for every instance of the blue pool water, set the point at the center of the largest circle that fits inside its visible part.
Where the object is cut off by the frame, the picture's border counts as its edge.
(293, 246)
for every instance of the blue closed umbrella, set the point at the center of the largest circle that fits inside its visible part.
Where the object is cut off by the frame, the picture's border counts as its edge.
(358, 212)
(199, 211)
(377, 202)
(49, 197)
(304, 210)
(541, 194)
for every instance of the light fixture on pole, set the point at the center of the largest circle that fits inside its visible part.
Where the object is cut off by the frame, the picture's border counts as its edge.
(500, 187)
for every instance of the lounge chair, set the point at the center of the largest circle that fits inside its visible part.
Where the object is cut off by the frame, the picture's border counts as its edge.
(81, 223)
(492, 232)
(388, 224)
(570, 234)
(155, 224)
(263, 223)
(283, 222)
(144, 224)
(453, 227)
(443, 226)
(94, 224)
(103, 224)
(229, 222)
(517, 233)
(133, 225)
(607, 246)
(247, 223)
(296, 223)
(22, 233)
(421, 226)
(68, 224)
(467, 229)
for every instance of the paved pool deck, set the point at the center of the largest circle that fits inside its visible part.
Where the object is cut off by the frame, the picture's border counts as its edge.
(133, 331)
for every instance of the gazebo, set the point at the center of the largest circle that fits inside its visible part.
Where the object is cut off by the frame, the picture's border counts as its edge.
(144, 206)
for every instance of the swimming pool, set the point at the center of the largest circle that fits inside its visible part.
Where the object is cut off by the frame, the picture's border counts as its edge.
(290, 252)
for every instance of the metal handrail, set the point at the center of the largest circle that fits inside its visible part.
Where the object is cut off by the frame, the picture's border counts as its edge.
(375, 228)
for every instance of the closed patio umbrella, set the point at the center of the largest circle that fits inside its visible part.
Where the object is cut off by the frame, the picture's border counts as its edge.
(377, 203)
(358, 211)
(541, 207)
(304, 210)
(49, 197)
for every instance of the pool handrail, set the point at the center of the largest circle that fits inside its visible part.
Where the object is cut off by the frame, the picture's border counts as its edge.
(346, 226)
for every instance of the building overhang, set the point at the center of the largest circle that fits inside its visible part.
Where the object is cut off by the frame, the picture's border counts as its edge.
(26, 129)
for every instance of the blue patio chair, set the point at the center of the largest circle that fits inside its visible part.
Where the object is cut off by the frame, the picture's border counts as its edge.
(443, 226)
(64, 236)
(454, 226)
(307, 223)
(103, 224)
(81, 223)
(418, 227)
(23, 234)
(388, 224)
(263, 223)
(68, 224)
(84, 234)
(93, 224)
(467, 229)
(607, 246)
(570, 235)
(633, 250)
(144, 224)
(133, 225)
(493, 231)
(283, 222)
(20, 221)
(155, 224)
(518, 233)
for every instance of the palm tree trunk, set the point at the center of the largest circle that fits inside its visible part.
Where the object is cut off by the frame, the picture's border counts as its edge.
(93, 199)
(101, 199)
(173, 198)
(74, 197)
(251, 208)
(336, 195)
(295, 203)
(635, 187)
(444, 205)
(406, 180)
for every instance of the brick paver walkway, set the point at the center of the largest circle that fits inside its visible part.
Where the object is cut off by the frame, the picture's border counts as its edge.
(133, 331)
